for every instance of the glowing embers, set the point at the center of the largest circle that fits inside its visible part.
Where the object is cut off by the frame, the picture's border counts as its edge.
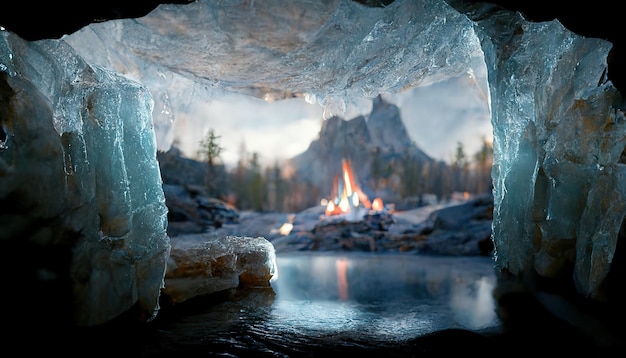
(348, 198)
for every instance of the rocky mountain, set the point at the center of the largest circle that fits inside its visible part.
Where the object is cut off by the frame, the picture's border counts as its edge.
(377, 147)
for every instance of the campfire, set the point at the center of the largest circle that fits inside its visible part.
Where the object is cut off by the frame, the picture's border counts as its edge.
(349, 205)
(347, 197)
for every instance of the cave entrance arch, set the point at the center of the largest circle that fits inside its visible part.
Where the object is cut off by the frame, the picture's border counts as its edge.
(557, 205)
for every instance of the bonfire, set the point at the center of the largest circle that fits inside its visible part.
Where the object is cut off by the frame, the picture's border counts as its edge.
(348, 199)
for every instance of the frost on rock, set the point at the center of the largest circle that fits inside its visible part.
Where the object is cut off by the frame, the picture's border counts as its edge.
(79, 163)
(200, 265)
(558, 176)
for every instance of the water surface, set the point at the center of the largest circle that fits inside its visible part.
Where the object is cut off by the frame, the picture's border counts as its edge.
(335, 301)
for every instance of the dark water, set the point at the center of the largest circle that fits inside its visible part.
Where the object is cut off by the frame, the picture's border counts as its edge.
(334, 303)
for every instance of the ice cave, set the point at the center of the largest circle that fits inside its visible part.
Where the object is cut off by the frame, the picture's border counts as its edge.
(89, 98)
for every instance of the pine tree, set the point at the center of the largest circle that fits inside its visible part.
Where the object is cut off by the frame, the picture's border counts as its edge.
(460, 166)
(210, 150)
(484, 159)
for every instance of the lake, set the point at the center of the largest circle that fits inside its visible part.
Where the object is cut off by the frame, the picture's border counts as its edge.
(338, 302)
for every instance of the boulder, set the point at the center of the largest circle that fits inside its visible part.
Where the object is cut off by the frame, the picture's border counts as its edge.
(200, 265)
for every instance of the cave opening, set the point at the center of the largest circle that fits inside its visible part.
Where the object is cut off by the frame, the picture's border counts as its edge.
(530, 140)
(426, 145)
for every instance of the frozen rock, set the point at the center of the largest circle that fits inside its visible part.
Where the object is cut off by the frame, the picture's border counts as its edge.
(558, 142)
(200, 265)
(79, 174)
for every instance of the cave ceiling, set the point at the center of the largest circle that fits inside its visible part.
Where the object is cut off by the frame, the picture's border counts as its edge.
(43, 19)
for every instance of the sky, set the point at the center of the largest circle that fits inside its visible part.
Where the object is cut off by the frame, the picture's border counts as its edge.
(442, 114)
(436, 116)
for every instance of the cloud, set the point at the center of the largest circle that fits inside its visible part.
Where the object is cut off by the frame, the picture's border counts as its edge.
(436, 116)
(275, 130)
(444, 113)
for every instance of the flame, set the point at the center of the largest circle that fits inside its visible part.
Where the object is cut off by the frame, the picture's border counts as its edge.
(285, 229)
(377, 204)
(347, 195)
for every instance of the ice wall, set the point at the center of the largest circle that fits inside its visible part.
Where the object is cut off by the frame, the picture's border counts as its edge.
(558, 140)
(79, 184)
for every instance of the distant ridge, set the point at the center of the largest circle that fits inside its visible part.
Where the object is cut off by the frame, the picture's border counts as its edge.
(381, 137)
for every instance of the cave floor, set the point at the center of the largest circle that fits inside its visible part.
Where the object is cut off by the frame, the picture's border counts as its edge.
(346, 309)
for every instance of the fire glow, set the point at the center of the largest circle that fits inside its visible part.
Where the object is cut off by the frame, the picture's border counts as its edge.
(348, 198)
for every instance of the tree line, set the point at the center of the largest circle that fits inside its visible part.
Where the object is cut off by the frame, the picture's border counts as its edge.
(278, 188)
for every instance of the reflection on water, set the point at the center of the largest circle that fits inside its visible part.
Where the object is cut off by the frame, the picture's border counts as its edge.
(341, 300)
(399, 296)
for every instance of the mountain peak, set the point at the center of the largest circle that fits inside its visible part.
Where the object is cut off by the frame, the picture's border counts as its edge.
(363, 141)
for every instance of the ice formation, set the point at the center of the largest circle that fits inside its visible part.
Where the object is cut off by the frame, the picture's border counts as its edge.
(334, 53)
(558, 142)
(78, 167)
(558, 135)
